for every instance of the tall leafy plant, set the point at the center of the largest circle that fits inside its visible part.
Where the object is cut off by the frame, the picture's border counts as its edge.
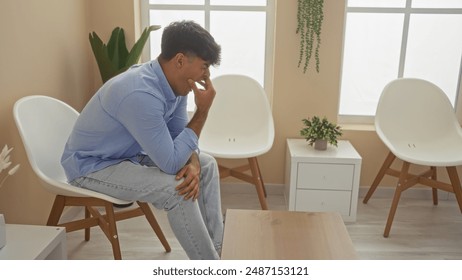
(114, 58)
(310, 16)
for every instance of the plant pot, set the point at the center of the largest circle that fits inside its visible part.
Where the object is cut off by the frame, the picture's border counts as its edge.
(320, 145)
(2, 231)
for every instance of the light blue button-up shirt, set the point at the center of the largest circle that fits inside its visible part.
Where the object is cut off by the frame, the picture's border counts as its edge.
(134, 113)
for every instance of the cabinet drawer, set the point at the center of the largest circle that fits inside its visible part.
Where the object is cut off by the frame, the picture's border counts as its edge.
(323, 201)
(325, 176)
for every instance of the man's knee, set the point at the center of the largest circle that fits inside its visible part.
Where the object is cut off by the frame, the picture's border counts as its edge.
(208, 161)
(176, 201)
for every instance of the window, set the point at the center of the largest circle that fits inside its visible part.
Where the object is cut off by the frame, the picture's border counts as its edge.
(243, 28)
(389, 39)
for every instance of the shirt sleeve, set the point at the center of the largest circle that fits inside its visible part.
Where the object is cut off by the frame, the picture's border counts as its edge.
(179, 119)
(145, 116)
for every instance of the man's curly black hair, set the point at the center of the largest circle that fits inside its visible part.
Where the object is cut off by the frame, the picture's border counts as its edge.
(189, 38)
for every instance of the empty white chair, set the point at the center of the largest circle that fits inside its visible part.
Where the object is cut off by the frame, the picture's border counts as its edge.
(44, 124)
(417, 123)
(239, 126)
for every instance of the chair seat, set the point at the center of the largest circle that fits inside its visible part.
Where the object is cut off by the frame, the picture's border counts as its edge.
(54, 180)
(63, 188)
(439, 153)
(224, 147)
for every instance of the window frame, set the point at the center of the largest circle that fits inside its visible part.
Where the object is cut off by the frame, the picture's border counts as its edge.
(268, 74)
(407, 11)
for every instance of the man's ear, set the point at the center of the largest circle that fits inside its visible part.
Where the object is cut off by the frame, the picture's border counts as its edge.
(179, 60)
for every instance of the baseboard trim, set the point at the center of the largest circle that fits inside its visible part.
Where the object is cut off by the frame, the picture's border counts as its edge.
(380, 192)
(412, 193)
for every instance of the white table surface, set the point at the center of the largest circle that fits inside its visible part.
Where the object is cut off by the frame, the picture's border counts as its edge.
(33, 242)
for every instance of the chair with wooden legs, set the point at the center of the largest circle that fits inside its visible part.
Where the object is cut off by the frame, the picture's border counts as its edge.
(44, 124)
(239, 126)
(417, 123)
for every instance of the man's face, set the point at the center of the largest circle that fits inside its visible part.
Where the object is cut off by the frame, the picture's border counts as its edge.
(194, 68)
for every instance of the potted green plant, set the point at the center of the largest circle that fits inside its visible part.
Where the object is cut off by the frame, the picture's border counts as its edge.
(319, 132)
(114, 58)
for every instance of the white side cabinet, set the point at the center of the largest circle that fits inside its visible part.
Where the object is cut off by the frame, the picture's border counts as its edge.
(322, 181)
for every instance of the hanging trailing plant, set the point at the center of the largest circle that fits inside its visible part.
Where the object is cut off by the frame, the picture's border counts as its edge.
(309, 16)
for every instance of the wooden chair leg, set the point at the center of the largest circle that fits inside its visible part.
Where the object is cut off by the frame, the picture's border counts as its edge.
(258, 182)
(455, 182)
(386, 164)
(396, 197)
(261, 179)
(111, 230)
(56, 210)
(155, 226)
(434, 190)
(87, 230)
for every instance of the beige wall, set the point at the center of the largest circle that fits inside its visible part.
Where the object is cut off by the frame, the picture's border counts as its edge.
(45, 50)
(103, 17)
(50, 54)
(42, 51)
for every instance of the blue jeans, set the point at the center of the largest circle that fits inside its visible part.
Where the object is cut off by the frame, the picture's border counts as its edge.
(198, 225)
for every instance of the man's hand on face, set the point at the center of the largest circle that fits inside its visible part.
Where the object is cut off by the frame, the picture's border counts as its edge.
(203, 97)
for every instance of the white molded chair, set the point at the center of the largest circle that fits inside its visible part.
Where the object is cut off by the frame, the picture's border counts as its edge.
(239, 126)
(44, 124)
(417, 123)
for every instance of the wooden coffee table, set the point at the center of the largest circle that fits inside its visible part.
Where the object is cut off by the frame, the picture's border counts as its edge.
(285, 235)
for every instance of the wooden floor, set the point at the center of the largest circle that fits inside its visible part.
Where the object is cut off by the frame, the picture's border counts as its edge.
(420, 231)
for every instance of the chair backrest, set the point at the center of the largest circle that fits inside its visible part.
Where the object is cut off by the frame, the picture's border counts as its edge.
(44, 124)
(240, 114)
(414, 111)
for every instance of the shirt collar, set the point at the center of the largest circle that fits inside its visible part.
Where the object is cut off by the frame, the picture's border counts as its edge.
(163, 82)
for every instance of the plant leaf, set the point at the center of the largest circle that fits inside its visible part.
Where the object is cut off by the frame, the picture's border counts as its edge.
(122, 51)
(100, 51)
(135, 52)
(13, 170)
(5, 151)
(111, 43)
(117, 49)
